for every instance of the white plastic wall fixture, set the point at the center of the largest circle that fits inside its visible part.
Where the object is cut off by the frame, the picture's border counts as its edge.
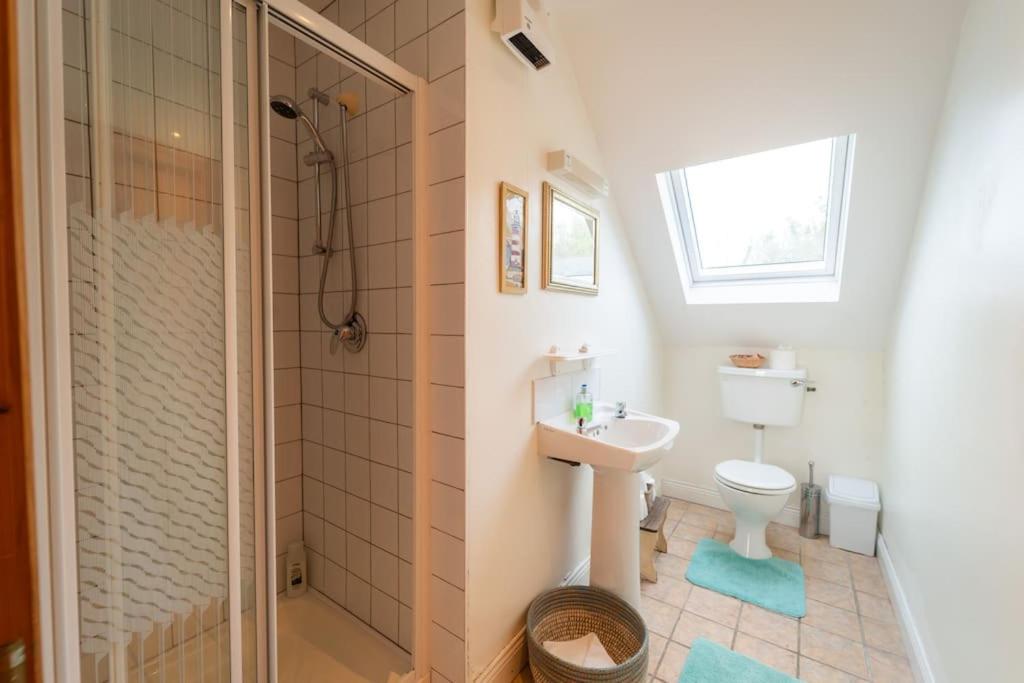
(762, 396)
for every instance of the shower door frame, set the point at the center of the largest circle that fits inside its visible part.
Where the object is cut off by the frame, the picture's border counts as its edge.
(304, 23)
(45, 205)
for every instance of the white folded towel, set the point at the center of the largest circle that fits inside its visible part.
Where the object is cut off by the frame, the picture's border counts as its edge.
(587, 652)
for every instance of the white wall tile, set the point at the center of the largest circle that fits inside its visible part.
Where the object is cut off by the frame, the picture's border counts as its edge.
(334, 505)
(447, 258)
(384, 528)
(448, 509)
(447, 309)
(447, 605)
(447, 206)
(357, 435)
(448, 558)
(447, 654)
(313, 532)
(446, 156)
(385, 614)
(448, 413)
(447, 103)
(384, 486)
(357, 517)
(447, 46)
(335, 544)
(289, 497)
(358, 557)
(287, 387)
(448, 460)
(335, 578)
(287, 460)
(410, 20)
(357, 476)
(313, 496)
(384, 571)
(447, 360)
(358, 597)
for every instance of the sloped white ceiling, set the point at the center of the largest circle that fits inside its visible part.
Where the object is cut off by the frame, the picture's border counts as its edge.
(669, 83)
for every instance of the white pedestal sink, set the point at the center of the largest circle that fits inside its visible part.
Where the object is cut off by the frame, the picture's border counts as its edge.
(618, 450)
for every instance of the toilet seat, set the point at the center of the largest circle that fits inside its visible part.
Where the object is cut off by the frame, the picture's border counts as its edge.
(755, 477)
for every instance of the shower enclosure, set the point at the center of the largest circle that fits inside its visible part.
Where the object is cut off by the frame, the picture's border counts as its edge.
(231, 387)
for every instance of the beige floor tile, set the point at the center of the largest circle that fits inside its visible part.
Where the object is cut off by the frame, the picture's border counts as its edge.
(830, 593)
(723, 537)
(681, 548)
(816, 672)
(766, 653)
(883, 636)
(860, 562)
(688, 532)
(669, 590)
(714, 606)
(654, 652)
(672, 662)
(786, 555)
(783, 537)
(874, 607)
(691, 626)
(833, 620)
(769, 626)
(819, 549)
(888, 668)
(826, 571)
(676, 509)
(524, 676)
(659, 617)
(870, 583)
(670, 565)
(836, 651)
(697, 519)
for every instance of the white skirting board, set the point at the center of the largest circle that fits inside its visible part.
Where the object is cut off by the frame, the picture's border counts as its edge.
(513, 657)
(692, 493)
(911, 636)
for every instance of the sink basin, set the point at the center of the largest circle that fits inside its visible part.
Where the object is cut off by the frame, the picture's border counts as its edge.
(630, 444)
(617, 450)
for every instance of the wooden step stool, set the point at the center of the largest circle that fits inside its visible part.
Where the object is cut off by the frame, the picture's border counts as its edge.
(652, 537)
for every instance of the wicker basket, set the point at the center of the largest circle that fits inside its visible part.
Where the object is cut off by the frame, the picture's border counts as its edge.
(747, 360)
(573, 612)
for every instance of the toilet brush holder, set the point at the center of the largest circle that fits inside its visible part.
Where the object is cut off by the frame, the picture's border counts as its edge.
(810, 506)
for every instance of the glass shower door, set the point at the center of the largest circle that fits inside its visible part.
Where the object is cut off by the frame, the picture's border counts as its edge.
(162, 361)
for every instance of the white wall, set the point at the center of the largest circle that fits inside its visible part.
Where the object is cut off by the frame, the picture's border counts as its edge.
(841, 429)
(528, 519)
(955, 459)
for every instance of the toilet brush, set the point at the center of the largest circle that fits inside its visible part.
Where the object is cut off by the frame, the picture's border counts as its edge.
(810, 505)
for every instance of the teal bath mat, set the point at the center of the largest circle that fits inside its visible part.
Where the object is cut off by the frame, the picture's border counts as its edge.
(711, 663)
(774, 584)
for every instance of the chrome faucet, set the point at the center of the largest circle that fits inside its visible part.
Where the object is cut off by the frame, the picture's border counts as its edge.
(592, 430)
(620, 409)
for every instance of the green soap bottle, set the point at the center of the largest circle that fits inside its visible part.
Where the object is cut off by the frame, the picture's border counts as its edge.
(583, 405)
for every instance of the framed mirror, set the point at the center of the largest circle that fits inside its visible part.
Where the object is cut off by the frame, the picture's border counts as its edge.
(571, 244)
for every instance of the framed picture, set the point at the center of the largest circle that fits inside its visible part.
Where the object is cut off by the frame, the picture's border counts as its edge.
(512, 207)
(571, 244)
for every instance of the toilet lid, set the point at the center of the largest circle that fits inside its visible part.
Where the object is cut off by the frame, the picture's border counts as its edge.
(754, 475)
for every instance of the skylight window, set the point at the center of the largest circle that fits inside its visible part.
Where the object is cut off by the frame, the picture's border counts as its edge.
(772, 218)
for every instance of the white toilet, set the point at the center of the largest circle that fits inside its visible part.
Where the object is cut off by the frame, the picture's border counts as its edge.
(756, 492)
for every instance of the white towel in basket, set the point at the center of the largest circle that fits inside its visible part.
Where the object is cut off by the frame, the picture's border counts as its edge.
(587, 652)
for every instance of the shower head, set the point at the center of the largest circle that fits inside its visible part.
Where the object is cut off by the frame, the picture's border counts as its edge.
(285, 106)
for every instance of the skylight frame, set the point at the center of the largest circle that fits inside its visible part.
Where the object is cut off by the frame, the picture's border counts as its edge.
(826, 269)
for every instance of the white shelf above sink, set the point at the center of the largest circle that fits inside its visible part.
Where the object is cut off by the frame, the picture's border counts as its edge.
(556, 356)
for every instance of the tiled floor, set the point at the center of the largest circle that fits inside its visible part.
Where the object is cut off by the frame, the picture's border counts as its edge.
(850, 632)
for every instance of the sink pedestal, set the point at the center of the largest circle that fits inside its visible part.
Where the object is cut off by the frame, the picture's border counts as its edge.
(615, 534)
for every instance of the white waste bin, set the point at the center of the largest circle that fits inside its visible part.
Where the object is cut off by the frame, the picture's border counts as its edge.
(853, 513)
